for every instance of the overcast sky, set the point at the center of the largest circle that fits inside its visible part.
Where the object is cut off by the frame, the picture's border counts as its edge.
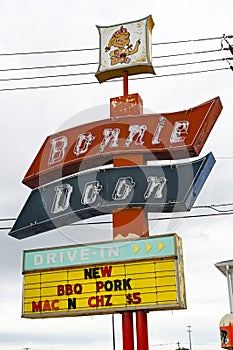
(29, 116)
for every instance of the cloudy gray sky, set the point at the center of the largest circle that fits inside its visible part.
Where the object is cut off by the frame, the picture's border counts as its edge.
(28, 116)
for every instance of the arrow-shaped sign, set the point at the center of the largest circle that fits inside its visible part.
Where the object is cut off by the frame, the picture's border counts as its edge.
(158, 136)
(156, 188)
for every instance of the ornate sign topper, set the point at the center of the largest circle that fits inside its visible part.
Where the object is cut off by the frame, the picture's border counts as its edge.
(125, 48)
(157, 136)
(151, 278)
(84, 195)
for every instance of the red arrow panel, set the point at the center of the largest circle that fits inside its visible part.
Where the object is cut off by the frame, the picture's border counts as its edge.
(156, 136)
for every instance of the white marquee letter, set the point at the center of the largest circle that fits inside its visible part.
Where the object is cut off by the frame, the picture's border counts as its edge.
(123, 188)
(83, 142)
(57, 152)
(160, 126)
(155, 183)
(108, 134)
(134, 130)
(37, 259)
(180, 128)
(90, 192)
(62, 198)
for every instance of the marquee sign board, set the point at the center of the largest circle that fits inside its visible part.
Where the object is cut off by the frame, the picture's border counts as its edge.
(156, 188)
(157, 136)
(125, 47)
(93, 279)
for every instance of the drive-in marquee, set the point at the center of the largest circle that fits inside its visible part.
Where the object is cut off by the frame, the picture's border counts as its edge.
(145, 274)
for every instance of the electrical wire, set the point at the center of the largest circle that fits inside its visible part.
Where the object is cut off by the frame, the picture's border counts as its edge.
(95, 63)
(48, 86)
(150, 219)
(195, 40)
(209, 206)
(111, 81)
(188, 53)
(96, 48)
(49, 76)
(182, 73)
(93, 73)
(193, 62)
(45, 52)
(48, 66)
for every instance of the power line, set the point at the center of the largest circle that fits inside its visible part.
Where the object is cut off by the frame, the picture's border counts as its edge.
(92, 63)
(48, 86)
(159, 218)
(188, 53)
(49, 66)
(195, 40)
(163, 218)
(209, 206)
(193, 62)
(96, 48)
(45, 52)
(112, 81)
(95, 63)
(182, 73)
(48, 76)
(92, 73)
(151, 219)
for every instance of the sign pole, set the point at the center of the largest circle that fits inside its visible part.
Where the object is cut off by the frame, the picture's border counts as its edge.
(142, 331)
(113, 333)
(230, 286)
(133, 221)
(127, 330)
(125, 83)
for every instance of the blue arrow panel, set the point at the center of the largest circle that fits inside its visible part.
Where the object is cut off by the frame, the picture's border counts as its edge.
(168, 188)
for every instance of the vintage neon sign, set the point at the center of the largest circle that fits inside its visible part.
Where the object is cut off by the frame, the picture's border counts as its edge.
(155, 188)
(157, 136)
(83, 288)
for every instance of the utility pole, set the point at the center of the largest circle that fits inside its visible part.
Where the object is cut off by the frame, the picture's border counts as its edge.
(113, 333)
(189, 332)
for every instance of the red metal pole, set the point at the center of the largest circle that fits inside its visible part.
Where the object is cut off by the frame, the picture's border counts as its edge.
(142, 331)
(127, 330)
(130, 219)
(125, 83)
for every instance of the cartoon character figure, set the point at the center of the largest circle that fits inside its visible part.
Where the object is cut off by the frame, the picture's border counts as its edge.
(121, 40)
